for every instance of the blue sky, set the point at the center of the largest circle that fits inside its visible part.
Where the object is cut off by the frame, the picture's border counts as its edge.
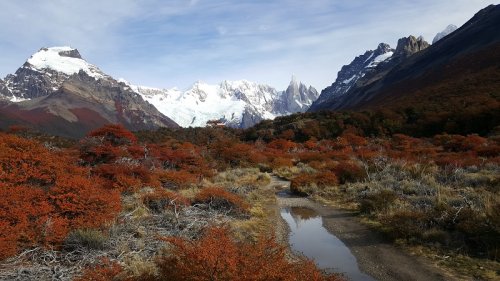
(177, 42)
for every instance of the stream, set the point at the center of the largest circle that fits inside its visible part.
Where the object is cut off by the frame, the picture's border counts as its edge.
(316, 230)
(309, 237)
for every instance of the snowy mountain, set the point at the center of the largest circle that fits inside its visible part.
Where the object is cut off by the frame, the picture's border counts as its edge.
(351, 73)
(239, 104)
(449, 29)
(296, 98)
(365, 70)
(58, 83)
(57, 91)
(45, 71)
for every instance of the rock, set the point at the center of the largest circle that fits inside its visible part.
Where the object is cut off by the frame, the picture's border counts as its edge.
(71, 54)
(410, 45)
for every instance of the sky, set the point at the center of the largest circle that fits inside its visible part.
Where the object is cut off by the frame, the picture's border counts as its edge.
(174, 43)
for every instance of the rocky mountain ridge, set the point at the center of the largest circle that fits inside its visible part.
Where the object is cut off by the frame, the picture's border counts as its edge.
(366, 69)
(351, 73)
(239, 104)
(416, 67)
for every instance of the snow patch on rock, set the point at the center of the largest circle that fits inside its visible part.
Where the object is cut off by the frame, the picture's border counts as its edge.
(55, 58)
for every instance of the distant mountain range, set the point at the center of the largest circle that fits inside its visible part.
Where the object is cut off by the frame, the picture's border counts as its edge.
(239, 104)
(58, 92)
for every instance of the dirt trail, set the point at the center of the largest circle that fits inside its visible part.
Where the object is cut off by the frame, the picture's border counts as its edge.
(375, 255)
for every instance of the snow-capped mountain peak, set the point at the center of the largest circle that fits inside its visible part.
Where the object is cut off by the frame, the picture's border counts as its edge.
(357, 69)
(239, 103)
(448, 30)
(58, 85)
(64, 60)
(45, 72)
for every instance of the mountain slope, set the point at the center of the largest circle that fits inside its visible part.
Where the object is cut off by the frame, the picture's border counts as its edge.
(426, 67)
(372, 70)
(431, 67)
(351, 73)
(239, 104)
(450, 87)
(57, 91)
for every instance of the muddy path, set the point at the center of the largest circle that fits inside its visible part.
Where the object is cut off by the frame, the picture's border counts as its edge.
(376, 256)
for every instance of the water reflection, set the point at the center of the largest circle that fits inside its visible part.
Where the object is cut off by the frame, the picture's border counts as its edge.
(301, 214)
(310, 237)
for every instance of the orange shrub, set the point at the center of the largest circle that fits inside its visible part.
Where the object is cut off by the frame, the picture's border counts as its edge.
(24, 211)
(283, 145)
(123, 177)
(349, 172)
(490, 150)
(216, 256)
(306, 184)
(281, 162)
(180, 156)
(44, 196)
(178, 179)
(114, 134)
(455, 159)
(354, 140)
(106, 270)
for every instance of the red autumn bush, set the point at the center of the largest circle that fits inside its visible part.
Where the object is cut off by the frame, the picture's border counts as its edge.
(216, 256)
(283, 145)
(24, 211)
(306, 184)
(178, 179)
(106, 270)
(123, 177)
(44, 196)
(180, 156)
(114, 154)
(114, 134)
(349, 172)
(220, 199)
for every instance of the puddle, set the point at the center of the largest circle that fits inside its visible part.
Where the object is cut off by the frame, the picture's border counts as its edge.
(309, 237)
(285, 193)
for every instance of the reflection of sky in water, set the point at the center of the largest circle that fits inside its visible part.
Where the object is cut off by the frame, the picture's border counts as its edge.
(310, 237)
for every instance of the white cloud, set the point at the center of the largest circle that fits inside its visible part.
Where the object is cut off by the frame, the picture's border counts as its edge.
(175, 42)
